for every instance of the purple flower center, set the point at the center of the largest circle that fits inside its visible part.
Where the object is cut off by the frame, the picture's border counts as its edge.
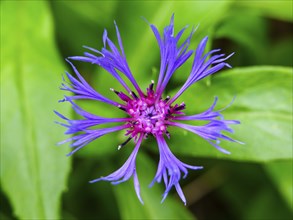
(149, 114)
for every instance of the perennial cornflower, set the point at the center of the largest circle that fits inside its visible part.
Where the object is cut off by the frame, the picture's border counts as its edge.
(147, 113)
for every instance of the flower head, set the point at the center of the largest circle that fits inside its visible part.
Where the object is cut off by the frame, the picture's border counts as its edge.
(147, 113)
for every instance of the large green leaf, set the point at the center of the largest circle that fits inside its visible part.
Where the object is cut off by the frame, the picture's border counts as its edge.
(281, 174)
(263, 105)
(34, 170)
(131, 208)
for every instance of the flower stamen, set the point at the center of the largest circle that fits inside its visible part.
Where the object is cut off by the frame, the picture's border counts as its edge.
(124, 143)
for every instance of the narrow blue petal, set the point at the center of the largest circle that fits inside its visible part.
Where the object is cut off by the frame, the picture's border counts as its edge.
(202, 68)
(137, 187)
(82, 90)
(180, 193)
(172, 54)
(211, 132)
(126, 171)
(105, 36)
(80, 140)
(112, 60)
(170, 169)
(119, 39)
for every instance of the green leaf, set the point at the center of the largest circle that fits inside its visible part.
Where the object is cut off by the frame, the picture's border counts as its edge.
(281, 9)
(263, 105)
(281, 174)
(131, 208)
(281, 52)
(248, 30)
(264, 205)
(252, 42)
(249, 193)
(81, 23)
(34, 169)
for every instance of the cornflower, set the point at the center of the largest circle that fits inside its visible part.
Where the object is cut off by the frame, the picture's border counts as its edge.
(147, 113)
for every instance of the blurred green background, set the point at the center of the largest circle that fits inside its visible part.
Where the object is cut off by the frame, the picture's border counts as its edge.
(39, 182)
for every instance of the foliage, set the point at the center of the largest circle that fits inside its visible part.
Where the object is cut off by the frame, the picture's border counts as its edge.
(254, 182)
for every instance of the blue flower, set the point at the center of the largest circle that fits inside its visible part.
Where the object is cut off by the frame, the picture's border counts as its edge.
(147, 113)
